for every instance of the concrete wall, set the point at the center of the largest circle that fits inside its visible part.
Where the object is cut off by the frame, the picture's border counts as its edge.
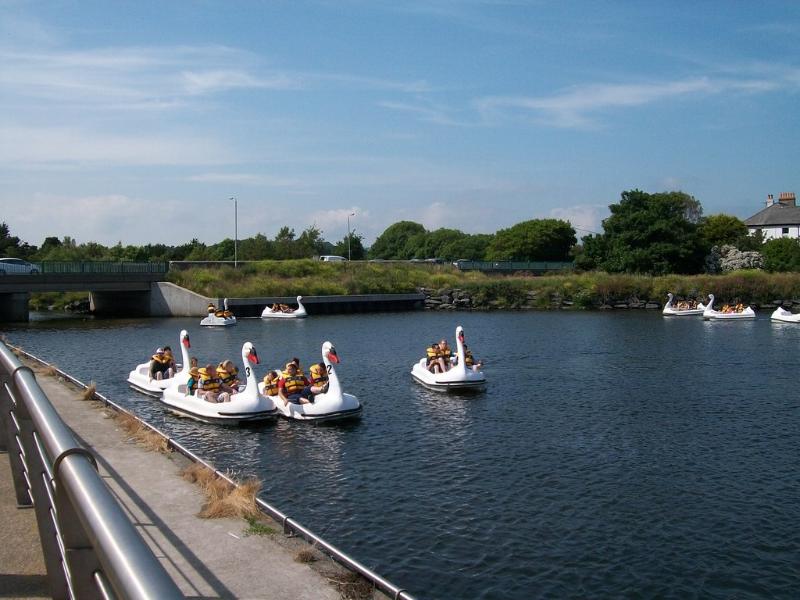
(170, 300)
(14, 307)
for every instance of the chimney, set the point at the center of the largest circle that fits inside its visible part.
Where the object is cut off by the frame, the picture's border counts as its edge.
(787, 199)
(769, 201)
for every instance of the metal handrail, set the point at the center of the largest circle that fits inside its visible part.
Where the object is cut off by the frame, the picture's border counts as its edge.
(289, 524)
(86, 537)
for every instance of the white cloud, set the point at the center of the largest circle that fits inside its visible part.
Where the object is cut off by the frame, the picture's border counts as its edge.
(578, 106)
(26, 146)
(585, 218)
(250, 179)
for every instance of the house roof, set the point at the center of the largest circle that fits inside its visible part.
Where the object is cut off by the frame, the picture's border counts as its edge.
(777, 215)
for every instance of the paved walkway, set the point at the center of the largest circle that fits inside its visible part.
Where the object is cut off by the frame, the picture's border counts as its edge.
(207, 558)
(22, 571)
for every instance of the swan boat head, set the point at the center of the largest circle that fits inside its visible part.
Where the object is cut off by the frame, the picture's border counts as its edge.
(669, 300)
(330, 358)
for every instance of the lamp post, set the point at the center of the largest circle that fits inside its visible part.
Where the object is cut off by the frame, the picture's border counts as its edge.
(348, 233)
(235, 232)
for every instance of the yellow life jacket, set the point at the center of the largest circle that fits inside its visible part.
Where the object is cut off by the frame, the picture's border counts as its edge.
(468, 360)
(207, 383)
(212, 309)
(318, 374)
(444, 352)
(294, 383)
(161, 358)
(270, 387)
(432, 353)
(227, 377)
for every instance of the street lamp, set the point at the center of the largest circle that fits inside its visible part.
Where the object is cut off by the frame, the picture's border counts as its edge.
(348, 233)
(235, 232)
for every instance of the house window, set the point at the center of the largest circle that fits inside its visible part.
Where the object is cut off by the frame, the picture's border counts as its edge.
(785, 231)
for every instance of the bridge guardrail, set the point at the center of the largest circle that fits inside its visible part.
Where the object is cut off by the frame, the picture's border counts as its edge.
(91, 549)
(89, 266)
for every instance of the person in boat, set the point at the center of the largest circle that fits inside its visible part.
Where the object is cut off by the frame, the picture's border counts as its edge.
(208, 386)
(469, 360)
(292, 386)
(170, 359)
(191, 384)
(211, 308)
(445, 353)
(271, 380)
(296, 361)
(228, 377)
(318, 376)
(159, 366)
(740, 307)
(435, 362)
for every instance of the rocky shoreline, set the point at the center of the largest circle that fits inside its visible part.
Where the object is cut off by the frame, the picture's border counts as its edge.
(459, 299)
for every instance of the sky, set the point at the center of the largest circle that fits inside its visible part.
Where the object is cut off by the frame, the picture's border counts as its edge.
(140, 122)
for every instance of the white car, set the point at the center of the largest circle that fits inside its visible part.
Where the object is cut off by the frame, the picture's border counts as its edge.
(17, 266)
(330, 258)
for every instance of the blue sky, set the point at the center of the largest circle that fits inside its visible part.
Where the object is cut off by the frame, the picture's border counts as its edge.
(137, 121)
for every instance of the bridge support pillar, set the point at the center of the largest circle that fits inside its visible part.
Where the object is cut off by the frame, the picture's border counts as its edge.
(14, 307)
(128, 304)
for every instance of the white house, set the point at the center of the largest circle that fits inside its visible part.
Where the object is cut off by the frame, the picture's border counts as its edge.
(780, 218)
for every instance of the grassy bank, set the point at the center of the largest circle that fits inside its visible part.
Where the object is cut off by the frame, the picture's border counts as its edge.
(587, 290)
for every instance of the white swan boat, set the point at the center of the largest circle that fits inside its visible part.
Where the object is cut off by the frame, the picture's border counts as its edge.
(458, 377)
(710, 313)
(781, 314)
(248, 406)
(221, 318)
(333, 405)
(139, 379)
(297, 313)
(672, 310)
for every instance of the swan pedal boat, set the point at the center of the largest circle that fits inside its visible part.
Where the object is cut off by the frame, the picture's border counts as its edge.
(139, 379)
(219, 320)
(781, 314)
(333, 405)
(297, 313)
(245, 407)
(457, 378)
(715, 315)
(671, 310)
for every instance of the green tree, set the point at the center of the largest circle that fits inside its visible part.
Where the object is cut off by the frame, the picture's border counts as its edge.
(781, 254)
(284, 243)
(309, 243)
(721, 229)
(471, 247)
(648, 233)
(356, 247)
(392, 242)
(534, 240)
(257, 247)
(11, 246)
(753, 241)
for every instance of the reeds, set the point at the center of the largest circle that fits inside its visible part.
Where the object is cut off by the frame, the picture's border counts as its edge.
(222, 498)
(352, 586)
(89, 392)
(142, 434)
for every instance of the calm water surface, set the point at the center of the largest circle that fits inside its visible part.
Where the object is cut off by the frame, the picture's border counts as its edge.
(613, 455)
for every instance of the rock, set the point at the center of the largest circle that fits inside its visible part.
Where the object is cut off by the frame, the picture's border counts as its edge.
(652, 305)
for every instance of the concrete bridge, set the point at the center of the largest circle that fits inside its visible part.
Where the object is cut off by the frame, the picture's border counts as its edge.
(140, 290)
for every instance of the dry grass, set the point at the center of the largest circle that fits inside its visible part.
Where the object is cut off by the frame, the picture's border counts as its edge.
(222, 498)
(88, 393)
(352, 586)
(142, 435)
(306, 556)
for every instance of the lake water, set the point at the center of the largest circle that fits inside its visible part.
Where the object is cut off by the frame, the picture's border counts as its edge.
(612, 455)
